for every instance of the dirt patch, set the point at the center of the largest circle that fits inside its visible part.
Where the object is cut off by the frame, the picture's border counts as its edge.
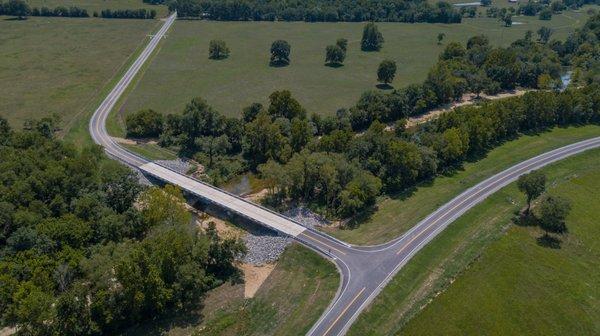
(133, 141)
(467, 99)
(257, 196)
(7, 331)
(223, 229)
(254, 276)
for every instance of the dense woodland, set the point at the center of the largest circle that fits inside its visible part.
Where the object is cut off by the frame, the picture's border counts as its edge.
(339, 164)
(21, 9)
(85, 250)
(317, 10)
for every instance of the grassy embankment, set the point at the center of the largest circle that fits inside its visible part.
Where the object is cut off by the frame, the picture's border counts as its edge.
(288, 303)
(182, 70)
(505, 283)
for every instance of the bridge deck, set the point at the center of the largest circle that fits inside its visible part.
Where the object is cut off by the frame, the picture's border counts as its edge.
(225, 200)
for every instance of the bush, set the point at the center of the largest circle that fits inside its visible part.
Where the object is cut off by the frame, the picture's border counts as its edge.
(372, 40)
(218, 50)
(144, 124)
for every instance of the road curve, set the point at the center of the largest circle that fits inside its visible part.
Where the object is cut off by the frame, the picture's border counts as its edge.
(365, 270)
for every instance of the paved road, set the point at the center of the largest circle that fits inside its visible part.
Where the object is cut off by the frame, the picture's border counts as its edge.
(364, 270)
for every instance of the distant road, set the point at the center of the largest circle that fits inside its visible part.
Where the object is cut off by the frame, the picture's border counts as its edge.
(365, 270)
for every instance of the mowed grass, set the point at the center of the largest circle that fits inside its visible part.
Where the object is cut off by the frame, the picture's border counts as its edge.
(396, 214)
(61, 65)
(499, 280)
(182, 70)
(99, 5)
(289, 302)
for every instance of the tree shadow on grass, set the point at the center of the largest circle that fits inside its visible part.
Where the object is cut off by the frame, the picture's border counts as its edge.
(524, 219)
(334, 65)
(360, 218)
(278, 64)
(549, 241)
(383, 86)
(16, 19)
(173, 319)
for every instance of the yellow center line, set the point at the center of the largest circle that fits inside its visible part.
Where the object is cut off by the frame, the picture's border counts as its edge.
(317, 240)
(410, 241)
(344, 311)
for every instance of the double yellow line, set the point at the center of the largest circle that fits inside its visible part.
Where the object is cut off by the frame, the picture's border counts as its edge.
(344, 311)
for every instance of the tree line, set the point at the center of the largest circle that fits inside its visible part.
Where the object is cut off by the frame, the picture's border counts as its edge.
(317, 10)
(322, 162)
(85, 250)
(21, 9)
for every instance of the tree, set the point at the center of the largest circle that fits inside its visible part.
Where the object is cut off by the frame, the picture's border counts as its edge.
(282, 104)
(545, 14)
(507, 19)
(164, 206)
(5, 131)
(18, 8)
(199, 119)
(280, 53)
(250, 112)
(144, 124)
(218, 50)
(544, 34)
(334, 55)
(486, 3)
(552, 213)
(213, 146)
(533, 185)
(263, 140)
(300, 133)
(478, 41)
(359, 193)
(386, 71)
(440, 37)
(343, 44)
(372, 40)
(453, 50)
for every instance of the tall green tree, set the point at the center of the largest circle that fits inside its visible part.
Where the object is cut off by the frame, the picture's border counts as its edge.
(18, 8)
(263, 141)
(544, 34)
(553, 211)
(386, 71)
(533, 185)
(372, 39)
(342, 43)
(440, 37)
(280, 53)
(334, 55)
(282, 104)
(218, 49)
(144, 123)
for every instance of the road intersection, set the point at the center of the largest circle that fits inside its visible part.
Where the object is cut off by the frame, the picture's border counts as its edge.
(365, 270)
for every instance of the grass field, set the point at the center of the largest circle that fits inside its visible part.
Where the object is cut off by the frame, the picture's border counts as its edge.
(499, 280)
(288, 303)
(397, 214)
(182, 70)
(99, 5)
(60, 65)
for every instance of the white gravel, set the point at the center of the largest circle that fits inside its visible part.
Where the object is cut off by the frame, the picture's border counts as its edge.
(177, 165)
(306, 217)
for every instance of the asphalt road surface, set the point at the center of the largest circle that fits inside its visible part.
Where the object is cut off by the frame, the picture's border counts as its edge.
(364, 270)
